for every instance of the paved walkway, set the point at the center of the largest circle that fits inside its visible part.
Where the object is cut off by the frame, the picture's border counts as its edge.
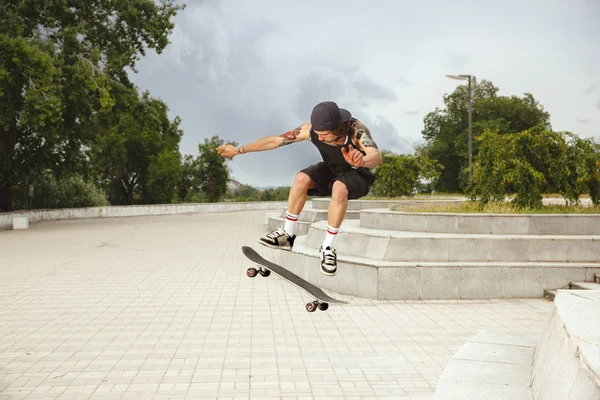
(160, 307)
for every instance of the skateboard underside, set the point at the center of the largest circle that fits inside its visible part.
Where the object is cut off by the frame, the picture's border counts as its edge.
(265, 267)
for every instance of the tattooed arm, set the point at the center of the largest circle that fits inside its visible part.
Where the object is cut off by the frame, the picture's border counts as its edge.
(362, 136)
(268, 142)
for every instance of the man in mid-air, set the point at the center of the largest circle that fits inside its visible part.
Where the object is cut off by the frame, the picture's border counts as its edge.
(348, 151)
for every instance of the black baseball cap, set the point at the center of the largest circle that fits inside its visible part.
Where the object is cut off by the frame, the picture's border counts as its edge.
(327, 115)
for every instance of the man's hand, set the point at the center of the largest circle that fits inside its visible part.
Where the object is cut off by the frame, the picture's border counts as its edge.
(353, 157)
(228, 151)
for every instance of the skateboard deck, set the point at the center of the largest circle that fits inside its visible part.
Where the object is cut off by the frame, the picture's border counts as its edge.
(322, 299)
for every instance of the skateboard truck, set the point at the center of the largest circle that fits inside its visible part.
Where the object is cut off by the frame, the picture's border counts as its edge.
(321, 299)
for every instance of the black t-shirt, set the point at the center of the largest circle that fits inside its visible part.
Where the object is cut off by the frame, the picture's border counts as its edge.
(332, 154)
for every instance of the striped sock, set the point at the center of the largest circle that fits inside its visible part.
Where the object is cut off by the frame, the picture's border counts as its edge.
(290, 223)
(331, 234)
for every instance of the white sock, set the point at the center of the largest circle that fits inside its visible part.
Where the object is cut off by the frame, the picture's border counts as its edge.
(331, 234)
(290, 223)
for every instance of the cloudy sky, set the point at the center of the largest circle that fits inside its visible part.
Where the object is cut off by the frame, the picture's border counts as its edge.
(245, 69)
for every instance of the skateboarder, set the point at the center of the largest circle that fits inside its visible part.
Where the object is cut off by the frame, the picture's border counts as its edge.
(348, 151)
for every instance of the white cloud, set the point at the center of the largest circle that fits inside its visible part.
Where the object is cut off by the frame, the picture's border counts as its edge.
(243, 70)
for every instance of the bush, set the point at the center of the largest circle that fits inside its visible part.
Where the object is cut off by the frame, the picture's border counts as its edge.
(531, 162)
(68, 192)
(402, 175)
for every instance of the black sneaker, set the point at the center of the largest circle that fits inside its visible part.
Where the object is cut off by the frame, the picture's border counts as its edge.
(278, 239)
(328, 260)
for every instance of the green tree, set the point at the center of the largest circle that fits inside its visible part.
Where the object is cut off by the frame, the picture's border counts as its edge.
(137, 150)
(59, 63)
(190, 187)
(446, 130)
(68, 191)
(528, 163)
(399, 175)
(212, 170)
(162, 181)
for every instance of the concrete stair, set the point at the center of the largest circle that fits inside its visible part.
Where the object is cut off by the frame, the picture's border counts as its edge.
(498, 224)
(561, 363)
(551, 294)
(385, 254)
(395, 265)
(307, 217)
(392, 245)
(491, 366)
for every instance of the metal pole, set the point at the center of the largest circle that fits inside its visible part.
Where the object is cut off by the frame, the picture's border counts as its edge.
(470, 134)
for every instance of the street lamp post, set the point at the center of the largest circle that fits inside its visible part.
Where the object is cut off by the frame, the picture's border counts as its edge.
(469, 78)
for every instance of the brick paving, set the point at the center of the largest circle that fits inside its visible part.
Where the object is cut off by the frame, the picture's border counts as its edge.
(161, 307)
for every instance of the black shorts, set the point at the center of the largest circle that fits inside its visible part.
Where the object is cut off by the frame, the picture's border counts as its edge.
(358, 181)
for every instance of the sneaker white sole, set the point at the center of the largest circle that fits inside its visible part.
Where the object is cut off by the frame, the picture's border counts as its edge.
(274, 247)
(327, 273)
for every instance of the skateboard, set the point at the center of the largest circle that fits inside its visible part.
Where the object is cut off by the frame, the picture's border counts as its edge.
(321, 299)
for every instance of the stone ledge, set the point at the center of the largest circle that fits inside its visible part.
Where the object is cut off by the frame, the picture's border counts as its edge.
(567, 358)
(6, 219)
(391, 245)
(373, 279)
(496, 224)
(20, 222)
(491, 366)
(359, 204)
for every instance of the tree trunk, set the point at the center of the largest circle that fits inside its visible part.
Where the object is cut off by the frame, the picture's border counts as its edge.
(5, 196)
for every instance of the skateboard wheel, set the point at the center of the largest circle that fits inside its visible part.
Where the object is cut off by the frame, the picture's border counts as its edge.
(251, 272)
(264, 272)
(323, 306)
(311, 307)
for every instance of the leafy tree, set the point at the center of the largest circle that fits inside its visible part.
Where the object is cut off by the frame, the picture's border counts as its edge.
(163, 177)
(66, 192)
(245, 193)
(399, 175)
(212, 171)
(59, 63)
(446, 130)
(137, 150)
(528, 163)
(190, 187)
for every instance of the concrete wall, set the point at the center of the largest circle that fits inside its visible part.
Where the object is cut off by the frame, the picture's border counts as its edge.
(567, 358)
(6, 219)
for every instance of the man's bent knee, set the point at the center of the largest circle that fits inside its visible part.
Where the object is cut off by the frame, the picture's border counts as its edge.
(339, 191)
(303, 181)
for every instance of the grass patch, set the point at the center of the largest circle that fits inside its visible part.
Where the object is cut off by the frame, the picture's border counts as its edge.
(492, 208)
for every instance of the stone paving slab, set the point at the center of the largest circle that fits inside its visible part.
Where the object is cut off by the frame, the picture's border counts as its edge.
(160, 307)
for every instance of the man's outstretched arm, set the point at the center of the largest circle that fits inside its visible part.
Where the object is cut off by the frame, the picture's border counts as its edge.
(268, 142)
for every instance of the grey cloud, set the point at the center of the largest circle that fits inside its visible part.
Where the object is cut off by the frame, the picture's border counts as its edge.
(386, 135)
(366, 88)
(341, 87)
(351, 89)
(582, 121)
(243, 71)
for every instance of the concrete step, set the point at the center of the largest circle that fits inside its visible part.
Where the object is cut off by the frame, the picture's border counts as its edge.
(550, 294)
(275, 222)
(491, 366)
(499, 224)
(585, 285)
(366, 277)
(563, 362)
(359, 204)
(307, 217)
(567, 357)
(393, 246)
